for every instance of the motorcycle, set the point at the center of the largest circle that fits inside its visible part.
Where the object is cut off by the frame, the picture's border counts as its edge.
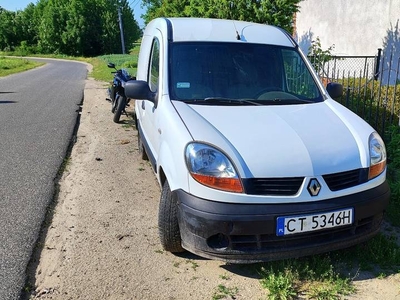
(116, 92)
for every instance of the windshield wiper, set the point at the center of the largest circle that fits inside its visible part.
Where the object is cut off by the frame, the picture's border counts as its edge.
(231, 100)
(284, 101)
(236, 101)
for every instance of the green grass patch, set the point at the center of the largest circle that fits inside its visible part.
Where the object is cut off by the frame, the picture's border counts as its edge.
(193, 264)
(223, 292)
(64, 166)
(125, 61)
(331, 275)
(225, 277)
(380, 253)
(314, 277)
(13, 65)
(100, 70)
(103, 73)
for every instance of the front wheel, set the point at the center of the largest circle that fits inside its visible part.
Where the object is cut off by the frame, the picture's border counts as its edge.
(120, 107)
(168, 226)
(113, 96)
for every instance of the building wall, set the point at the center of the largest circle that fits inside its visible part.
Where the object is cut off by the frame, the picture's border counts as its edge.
(355, 27)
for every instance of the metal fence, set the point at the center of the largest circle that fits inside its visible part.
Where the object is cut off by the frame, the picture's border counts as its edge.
(371, 85)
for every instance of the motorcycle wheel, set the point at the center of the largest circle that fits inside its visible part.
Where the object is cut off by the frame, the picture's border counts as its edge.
(114, 101)
(120, 107)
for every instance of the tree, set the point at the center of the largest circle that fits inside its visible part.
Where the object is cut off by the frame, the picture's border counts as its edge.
(7, 29)
(28, 25)
(274, 12)
(82, 34)
(110, 34)
(52, 25)
(73, 27)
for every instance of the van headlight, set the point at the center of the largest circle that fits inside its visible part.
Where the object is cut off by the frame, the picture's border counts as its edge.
(377, 154)
(212, 168)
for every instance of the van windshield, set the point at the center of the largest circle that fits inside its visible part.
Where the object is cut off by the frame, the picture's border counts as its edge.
(239, 73)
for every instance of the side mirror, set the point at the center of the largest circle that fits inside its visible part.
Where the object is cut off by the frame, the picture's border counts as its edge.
(111, 65)
(334, 89)
(139, 89)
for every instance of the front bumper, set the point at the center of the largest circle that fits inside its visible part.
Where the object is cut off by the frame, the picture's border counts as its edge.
(246, 233)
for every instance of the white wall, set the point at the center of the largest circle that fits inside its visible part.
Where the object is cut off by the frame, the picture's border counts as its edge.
(355, 27)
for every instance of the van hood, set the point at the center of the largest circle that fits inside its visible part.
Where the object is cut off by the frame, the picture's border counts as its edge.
(283, 140)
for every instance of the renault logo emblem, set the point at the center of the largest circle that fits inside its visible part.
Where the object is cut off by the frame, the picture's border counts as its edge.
(314, 187)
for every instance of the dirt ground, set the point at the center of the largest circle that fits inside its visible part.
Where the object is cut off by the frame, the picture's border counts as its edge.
(102, 239)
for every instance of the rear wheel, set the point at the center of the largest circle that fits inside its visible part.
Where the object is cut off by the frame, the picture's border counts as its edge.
(168, 226)
(120, 107)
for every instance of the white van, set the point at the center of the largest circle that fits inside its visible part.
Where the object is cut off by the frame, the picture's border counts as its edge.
(255, 160)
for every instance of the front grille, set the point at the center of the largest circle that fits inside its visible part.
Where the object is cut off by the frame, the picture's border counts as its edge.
(344, 180)
(290, 186)
(273, 186)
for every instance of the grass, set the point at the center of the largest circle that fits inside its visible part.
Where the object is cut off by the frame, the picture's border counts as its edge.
(193, 264)
(381, 252)
(225, 277)
(315, 277)
(223, 292)
(126, 61)
(10, 66)
(103, 73)
(100, 70)
(64, 166)
(329, 276)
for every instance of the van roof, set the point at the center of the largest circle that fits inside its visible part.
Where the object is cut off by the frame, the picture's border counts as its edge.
(218, 30)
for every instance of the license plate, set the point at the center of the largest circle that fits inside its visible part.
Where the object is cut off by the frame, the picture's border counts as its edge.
(304, 223)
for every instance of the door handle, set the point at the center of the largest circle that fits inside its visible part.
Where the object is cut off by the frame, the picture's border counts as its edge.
(143, 105)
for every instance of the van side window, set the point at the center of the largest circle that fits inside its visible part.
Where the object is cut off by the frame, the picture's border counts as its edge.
(298, 79)
(154, 67)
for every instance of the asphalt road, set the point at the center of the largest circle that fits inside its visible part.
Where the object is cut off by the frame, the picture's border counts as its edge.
(38, 113)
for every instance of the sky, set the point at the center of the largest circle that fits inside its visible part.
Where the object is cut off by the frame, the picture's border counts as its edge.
(14, 5)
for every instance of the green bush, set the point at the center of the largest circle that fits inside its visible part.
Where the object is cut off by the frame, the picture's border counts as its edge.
(393, 174)
(376, 104)
(380, 106)
(23, 49)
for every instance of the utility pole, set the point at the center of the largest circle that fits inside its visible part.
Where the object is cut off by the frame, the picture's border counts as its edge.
(121, 29)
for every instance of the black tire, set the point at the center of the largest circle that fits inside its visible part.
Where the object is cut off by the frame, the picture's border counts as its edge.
(114, 102)
(168, 226)
(142, 151)
(120, 107)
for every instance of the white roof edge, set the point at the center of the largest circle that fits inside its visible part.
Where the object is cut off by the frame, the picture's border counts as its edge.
(222, 30)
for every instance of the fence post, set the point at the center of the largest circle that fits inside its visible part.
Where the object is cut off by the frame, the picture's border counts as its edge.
(377, 62)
